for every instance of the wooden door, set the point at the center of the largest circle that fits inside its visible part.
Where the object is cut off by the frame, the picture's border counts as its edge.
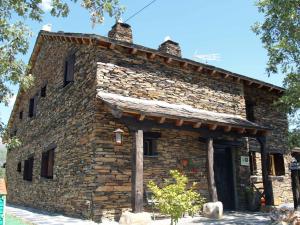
(223, 169)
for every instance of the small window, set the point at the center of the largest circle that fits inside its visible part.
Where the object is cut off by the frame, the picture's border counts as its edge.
(21, 115)
(19, 167)
(253, 166)
(32, 107)
(28, 169)
(69, 69)
(47, 164)
(150, 143)
(43, 91)
(250, 111)
(276, 164)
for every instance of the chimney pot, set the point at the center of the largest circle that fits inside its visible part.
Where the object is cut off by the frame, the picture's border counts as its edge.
(121, 32)
(170, 47)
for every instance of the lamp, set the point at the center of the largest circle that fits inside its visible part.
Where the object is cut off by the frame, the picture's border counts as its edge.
(119, 136)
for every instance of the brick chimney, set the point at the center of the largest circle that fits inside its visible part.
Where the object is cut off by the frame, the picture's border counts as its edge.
(121, 32)
(170, 47)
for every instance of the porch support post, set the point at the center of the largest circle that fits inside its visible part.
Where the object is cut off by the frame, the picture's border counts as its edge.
(210, 168)
(265, 176)
(137, 172)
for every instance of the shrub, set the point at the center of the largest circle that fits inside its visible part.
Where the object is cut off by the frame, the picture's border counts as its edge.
(174, 198)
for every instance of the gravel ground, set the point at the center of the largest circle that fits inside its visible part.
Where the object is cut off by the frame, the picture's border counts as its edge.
(38, 217)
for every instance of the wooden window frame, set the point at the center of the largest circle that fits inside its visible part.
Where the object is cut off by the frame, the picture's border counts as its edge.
(276, 165)
(150, 144)
(47, 163)
(69, 68)
(28, 169)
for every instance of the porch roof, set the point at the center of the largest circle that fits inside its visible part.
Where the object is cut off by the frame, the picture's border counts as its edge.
(180, 113)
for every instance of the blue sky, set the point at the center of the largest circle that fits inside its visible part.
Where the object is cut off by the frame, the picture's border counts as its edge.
(200, 26)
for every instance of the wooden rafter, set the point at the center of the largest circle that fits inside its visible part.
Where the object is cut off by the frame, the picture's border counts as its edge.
(151, 56)
(212, 126)
(241, 130)
(227, 129)
(197, 125)
(168, 60)
(226, 76)
(162, 120)
(133, 51)
(214, 72)
(179, 122)
(260, 86)
(111, 46)
(142, 117)
(199, 69)
(184, 65)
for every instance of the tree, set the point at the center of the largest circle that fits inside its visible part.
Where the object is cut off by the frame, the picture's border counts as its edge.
(14, 35)
(280, 35)
(175, 198)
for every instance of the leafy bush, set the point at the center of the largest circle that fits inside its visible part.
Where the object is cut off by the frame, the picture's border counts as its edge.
(175, 199)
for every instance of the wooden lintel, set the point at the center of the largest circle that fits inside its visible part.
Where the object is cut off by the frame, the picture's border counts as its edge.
(168, 60)
(199, 69)
(212, 126)
(260, 86)
(197, 125)
(241, 130)
(142, 117)
(179, 123)
(227, 129)
(133, 51)
(111, 46)
(162, 120)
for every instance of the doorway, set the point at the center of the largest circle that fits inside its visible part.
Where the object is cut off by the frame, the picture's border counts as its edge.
(223, 169)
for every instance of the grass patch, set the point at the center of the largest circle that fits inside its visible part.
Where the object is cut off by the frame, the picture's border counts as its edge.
(12, 220)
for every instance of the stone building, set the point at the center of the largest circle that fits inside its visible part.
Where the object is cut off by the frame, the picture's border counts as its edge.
(105, 116)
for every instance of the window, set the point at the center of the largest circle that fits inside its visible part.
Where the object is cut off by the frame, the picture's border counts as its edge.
(19, 167)
(69, 69)
(150, 143)
(43, 91)
(250, 111)
(253, 166)
(21, 115)
(28, 169)
(276, 164)
(32, 107)
(47, 164)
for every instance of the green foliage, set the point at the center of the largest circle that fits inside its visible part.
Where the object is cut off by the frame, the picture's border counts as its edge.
(294, 138)
(280, 35)
(14, 35)
(175, 198)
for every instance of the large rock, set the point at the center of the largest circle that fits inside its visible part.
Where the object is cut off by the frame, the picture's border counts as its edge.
(213, 210)
(129, 218)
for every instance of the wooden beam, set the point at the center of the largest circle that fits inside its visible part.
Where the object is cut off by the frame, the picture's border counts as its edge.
(168, 60)
(254, 131)
(271, 89)
(214, 72)
(210, 168)
(197, 125)
(227, 129)
(142, 117)
(238, 79)
(295, 186)
(179, 123)
(250, 83)
(184, 65)
(151, 56)
(268, 189)
(226, 76)
(137, 172)
(162, 120)
(241, 130)
(133, 51)
(212, 126)
(199, 69)
(111, 46)
(260, 86)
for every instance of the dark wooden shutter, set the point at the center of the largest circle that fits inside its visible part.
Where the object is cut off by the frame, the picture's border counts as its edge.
(25, 171)
(71, 64)
(50, 163)
(44, 165)
(31, 107)
(279, 164)
(19, 167)
(34, 105)
(30, 168)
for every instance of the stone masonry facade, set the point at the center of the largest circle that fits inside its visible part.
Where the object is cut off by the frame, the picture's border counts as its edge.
(92, 175)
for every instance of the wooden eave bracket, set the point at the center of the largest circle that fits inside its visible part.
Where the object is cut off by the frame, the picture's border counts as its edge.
(168, 60)
(162, 120)
(197, 125)
(227, 129)
(142, 117)
(133, 51)
(212, 126)
(179, 123)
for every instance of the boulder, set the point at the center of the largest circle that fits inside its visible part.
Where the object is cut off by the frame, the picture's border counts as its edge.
(213, 210)
(129, 218)
(283, 214)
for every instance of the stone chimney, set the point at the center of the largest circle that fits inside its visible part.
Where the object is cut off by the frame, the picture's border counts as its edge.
(121, 32)
(170, 47)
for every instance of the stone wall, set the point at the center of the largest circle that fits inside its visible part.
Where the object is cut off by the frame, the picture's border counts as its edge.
(92, 175)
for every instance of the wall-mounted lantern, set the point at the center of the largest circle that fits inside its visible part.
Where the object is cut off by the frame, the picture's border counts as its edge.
(118, 136)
